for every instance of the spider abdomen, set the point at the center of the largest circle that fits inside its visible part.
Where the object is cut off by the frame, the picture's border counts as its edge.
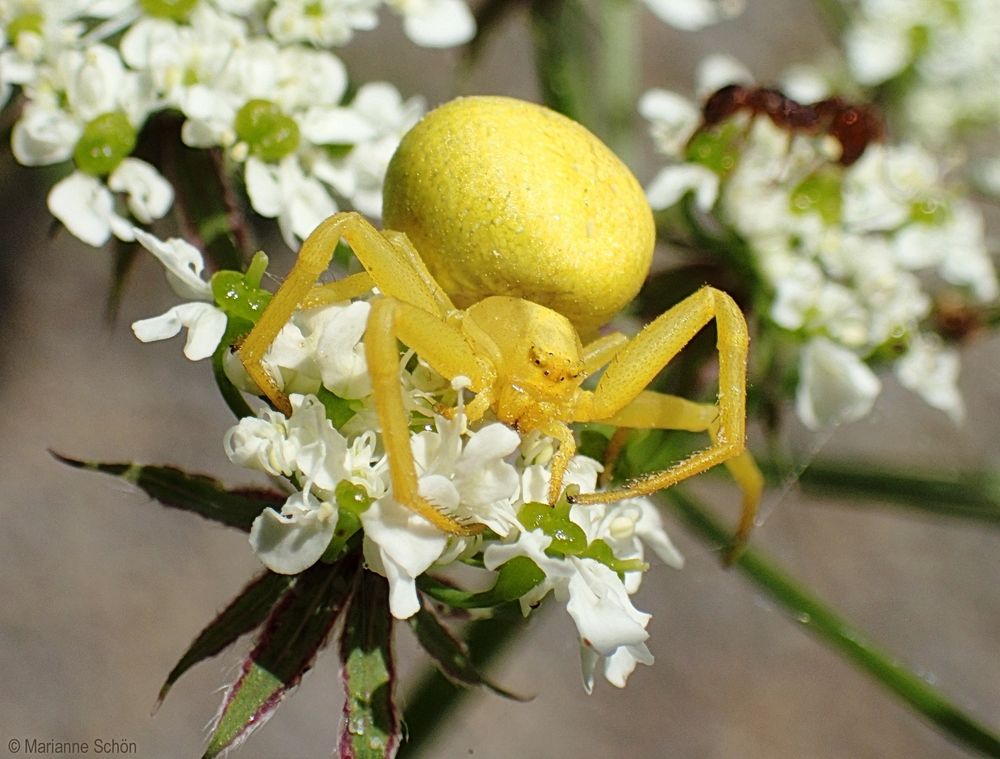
(503, 197)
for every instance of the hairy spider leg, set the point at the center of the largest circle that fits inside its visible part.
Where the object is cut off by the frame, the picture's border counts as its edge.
(446, 350)
(621, 399)
(390, 263)
(652, 410)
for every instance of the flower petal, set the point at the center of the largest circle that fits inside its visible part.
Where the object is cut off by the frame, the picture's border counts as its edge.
(205, 323)
(291, 544)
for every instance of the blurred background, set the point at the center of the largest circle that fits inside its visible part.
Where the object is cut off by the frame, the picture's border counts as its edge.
(103, 590)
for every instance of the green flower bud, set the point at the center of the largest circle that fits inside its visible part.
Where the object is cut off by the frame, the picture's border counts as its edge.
(172, 10)
(351, 498)
(820, 192)
(568, 538)
(931, 212)
(29, 22)
(517, 577)
(716, 149)
(269, 133)
(240, 294)
(105, 141)
(600, 551)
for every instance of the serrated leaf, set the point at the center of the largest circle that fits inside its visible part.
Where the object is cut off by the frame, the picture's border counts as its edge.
(243, 615)
(371, 727)
(292, 636)
(197, 493)
(451, 655)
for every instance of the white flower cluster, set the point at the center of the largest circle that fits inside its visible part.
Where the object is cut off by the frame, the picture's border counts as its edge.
(842, 250)
(937, 62)
(252, 78)
(946, 49)
(487, 475)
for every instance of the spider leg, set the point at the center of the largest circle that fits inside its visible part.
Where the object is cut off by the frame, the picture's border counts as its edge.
(651, 410)
(621, 399)
(445, 349)
(388, 261)
(353, 286)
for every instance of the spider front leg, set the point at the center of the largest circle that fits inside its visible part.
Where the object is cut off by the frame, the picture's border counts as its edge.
(621, 399)
(445, 349)
(389, 262)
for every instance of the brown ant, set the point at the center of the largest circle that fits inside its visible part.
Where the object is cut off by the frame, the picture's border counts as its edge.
(853, 126)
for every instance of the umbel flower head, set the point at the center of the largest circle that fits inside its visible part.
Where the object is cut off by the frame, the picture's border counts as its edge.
(843, 252)
(330, 452)
(257, 80)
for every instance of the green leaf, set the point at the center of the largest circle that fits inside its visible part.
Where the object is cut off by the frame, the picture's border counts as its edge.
(450, 654)
(296, 630)
(196, 493)
(371, 725)
(244, 614)
(971, 495)
(838, 633)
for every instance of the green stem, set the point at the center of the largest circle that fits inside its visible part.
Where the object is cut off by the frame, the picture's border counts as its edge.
(839, 634)
(620, 73)
(562, 59)
(971, 495)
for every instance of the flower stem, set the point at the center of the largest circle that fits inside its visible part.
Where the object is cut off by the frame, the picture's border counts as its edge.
(838, 633)
(619, 74)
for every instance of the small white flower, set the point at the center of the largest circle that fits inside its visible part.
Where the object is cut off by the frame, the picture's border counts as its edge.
(44, 135)
(295, 539)
(602, 609)
(931, 370)
(690, 15)
(674, 182)
(718, 70)
(334, 336)
(877, 53)
(673, 119)
(835, 386)
(627, 526)
(595, 597)
(325, 23)
(400, 545)
(262, 443)
(183, 262)
(284, 191)
(86, 208)
(617, 667)
(436, 23)
(205, 322)
(147, 194)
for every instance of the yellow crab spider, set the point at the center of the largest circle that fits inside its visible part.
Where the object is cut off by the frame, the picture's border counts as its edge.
(514, 232)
